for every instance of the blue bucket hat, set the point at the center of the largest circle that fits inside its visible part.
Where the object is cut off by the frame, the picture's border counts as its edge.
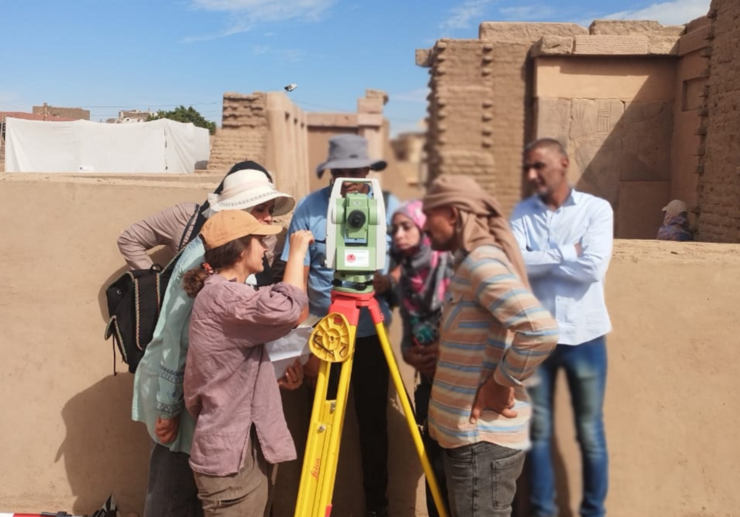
(349, 152)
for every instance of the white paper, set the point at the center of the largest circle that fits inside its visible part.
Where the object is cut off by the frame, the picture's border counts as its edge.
(283, 352)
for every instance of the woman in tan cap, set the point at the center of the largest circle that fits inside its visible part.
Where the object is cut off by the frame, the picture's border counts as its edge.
(230, 385)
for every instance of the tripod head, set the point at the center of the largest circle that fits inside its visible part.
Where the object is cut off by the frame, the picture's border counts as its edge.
(355, 236)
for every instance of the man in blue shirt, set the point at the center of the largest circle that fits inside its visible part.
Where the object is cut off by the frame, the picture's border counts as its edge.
(348, 158)
(566, 240)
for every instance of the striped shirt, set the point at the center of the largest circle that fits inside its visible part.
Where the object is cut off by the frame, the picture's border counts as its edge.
(492, 326)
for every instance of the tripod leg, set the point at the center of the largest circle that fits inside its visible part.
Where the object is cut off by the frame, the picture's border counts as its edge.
(406, 404)
(324, 439)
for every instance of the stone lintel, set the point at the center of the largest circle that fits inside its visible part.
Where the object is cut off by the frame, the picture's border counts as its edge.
(331, 119)
(372, 93)
(370, 105)
(424, 57)
(369, 120)
(634, 28)
(520, 32)
(553, 46)
(610, 45)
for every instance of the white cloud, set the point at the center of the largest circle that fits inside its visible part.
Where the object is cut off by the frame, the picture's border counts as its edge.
(283, 54)
(461, 16)
(245, 14)
(268, 10)
(528, 13)
(418, 95)
(674, 12)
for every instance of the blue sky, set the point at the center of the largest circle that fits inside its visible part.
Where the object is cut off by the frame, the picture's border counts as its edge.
(108, 55)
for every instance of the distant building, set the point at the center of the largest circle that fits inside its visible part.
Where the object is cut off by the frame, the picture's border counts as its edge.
(129, 116)
(55, 113)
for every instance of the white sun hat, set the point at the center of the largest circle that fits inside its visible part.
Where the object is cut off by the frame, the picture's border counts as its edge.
(248, 188)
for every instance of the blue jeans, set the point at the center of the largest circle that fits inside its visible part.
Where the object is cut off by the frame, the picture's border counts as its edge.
(585, 370)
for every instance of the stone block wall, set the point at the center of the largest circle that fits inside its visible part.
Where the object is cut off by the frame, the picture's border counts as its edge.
(243, 132)
(719, 183)
(269, 129)
(480, 105)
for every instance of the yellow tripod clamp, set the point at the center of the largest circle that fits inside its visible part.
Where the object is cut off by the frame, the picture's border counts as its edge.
(330, 339)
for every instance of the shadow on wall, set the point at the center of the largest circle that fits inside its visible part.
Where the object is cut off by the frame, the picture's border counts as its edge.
(104, 451)
(621, 151)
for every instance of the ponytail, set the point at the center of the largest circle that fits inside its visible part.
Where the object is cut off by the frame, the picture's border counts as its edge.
(195, 279)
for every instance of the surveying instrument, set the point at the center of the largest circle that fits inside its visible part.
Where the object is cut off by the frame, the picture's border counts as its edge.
(355, 249)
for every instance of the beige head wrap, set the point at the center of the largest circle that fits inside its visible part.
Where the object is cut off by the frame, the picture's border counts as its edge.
(480, 222)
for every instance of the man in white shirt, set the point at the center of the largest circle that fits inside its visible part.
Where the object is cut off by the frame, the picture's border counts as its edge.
(566, 239)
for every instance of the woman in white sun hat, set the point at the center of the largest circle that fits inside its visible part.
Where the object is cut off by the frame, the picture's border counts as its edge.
(158, 384)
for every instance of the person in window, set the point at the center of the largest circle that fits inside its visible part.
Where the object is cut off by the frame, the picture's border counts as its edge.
(675, 225)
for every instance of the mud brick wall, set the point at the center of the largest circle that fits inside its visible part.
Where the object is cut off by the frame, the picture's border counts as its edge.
(480, 105)
(244, 132)
(719, 184)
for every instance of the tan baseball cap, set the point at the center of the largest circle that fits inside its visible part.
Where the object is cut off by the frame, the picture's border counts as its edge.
(229, 225)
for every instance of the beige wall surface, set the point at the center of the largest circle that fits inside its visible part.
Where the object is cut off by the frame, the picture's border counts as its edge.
(69, 442)
(606, 77)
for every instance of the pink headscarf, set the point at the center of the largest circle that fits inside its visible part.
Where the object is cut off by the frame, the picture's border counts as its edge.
(425, 273)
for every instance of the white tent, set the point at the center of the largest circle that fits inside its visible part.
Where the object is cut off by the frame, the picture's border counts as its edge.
(82, 146)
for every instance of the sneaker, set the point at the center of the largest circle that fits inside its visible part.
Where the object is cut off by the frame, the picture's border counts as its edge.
(380, 512)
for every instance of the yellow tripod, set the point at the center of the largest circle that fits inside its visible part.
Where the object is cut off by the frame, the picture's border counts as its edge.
(333, 341)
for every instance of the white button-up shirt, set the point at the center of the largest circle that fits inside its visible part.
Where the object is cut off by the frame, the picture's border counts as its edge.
(569, 286)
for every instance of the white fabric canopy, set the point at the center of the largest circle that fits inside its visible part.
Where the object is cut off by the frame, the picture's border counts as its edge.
(82, 146)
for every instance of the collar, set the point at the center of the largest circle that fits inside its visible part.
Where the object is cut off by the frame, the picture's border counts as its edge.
(573, 199)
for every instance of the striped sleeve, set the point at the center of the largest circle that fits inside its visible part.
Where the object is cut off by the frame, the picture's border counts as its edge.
(535, 332)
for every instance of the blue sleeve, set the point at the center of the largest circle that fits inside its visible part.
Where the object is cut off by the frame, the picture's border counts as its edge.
(300, 221)
(393, 205)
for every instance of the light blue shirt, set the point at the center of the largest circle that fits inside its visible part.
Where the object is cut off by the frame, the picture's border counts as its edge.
(569, 286)
(159, 376)
(310, 214)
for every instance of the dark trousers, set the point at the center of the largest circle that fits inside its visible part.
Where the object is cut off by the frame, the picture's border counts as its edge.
(436, 458)
(171, 490)
(481, 479)
(370, 384)
(422, 397)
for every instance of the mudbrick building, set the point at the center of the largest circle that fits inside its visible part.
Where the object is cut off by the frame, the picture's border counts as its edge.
(648, 113)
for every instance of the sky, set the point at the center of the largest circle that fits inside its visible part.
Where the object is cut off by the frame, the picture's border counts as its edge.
(110, 55)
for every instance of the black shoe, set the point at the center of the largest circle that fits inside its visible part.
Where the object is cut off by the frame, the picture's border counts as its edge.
(380, 512)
